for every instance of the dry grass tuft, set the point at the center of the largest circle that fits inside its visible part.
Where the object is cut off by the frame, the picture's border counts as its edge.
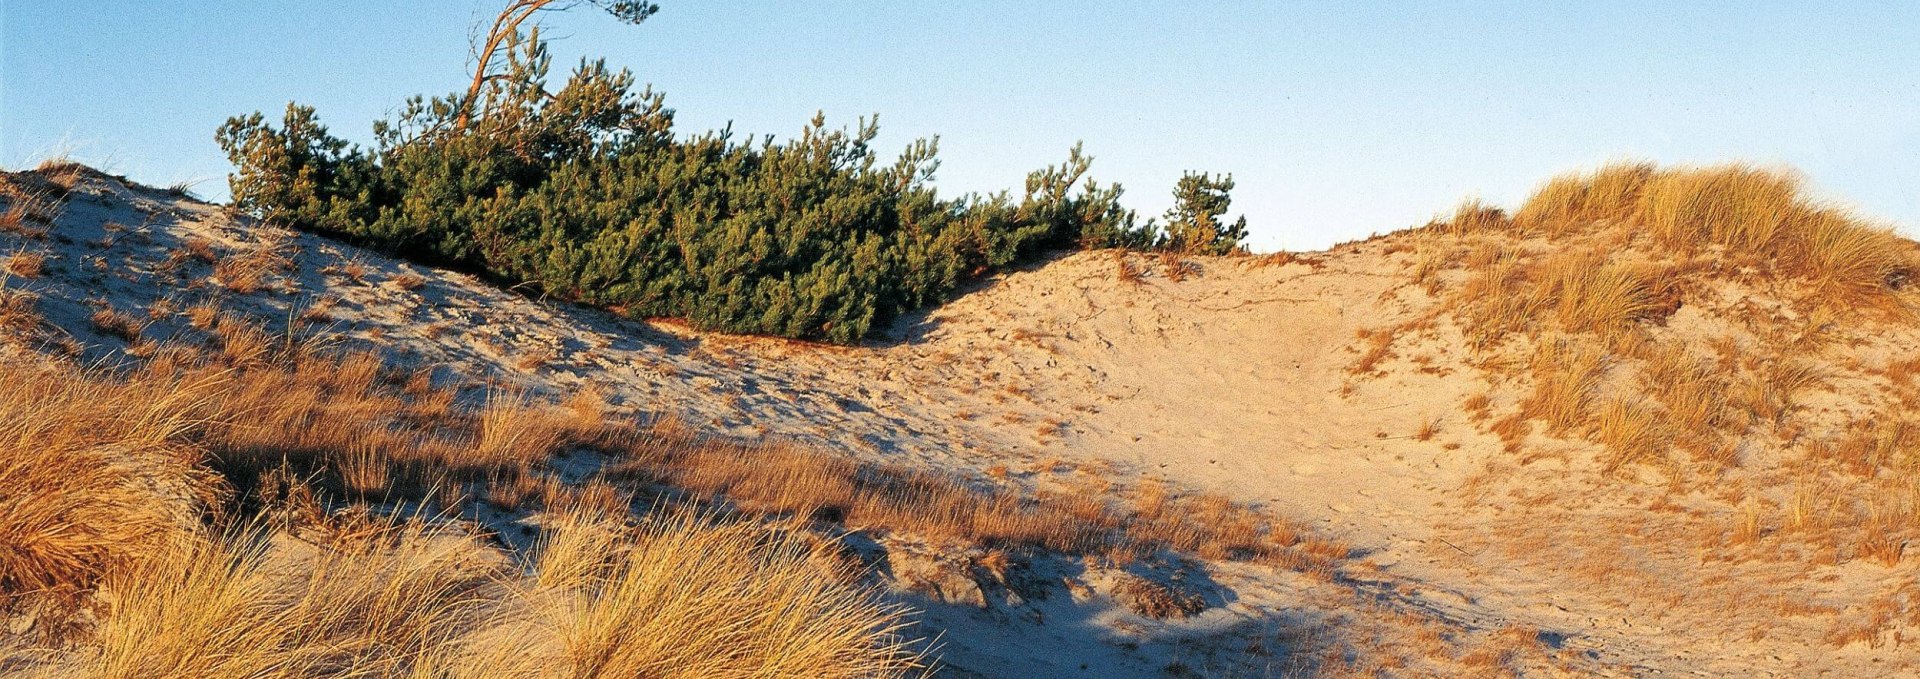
(25, 264)
(382, 603)
(1611, 193)
(1591, 295)
(409, 281)
(1747, 523)
(1738, 207)
(1849, 260)
(1565, 374)
(200, 249)
(1882, 545)
(1175, 267)
(116, 323)
(1496, 302)
(1126, 270)
(1769, 390)
(1474, 216)
(97, 475)
(250, 271)
(354, 269)
(62, 172)
(317, 311)
(1754, 215)
(514, 431)
(1634, 430)
(31, 206)
(673, 598)
(1157, 600)
(1378, 345)
(1429, 428)
(1692, 392)
(686, 597)
(19, 310)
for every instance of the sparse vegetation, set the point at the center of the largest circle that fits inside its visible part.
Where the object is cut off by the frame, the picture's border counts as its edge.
(1710, 326)
(1634, 243)
(164, 467)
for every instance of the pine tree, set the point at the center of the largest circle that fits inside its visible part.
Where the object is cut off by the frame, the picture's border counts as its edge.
(586, 194)
(1193, 224)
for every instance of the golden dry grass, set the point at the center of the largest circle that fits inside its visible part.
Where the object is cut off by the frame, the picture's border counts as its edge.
(1565, 374)
(811, 484)
(1474, 216)
(115, 498)
(1689, 388)
(31, 204)
(376, 605)
(1591, 295)
(1749, 214)
(1378, 347)
(685, 597)
(1429, 428)
(409, 281)
(514, 430)
(1634, 430)
(96, 475)
(127, 467)
(19, 310)
(1850, 260)
(1593, 262)
(1734, 213)
(1742, 208)
(1496, 302)
(252, 270)
(1157, 600)
(1126, 270)
(115, 323)
(1175, 267)
(671, 598)
(25, 264)
(1607, 194)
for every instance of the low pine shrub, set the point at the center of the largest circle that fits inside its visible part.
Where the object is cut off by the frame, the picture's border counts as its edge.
(585, 193)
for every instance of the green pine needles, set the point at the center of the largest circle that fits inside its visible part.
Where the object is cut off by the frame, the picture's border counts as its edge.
(1193, 224)
(586, 194)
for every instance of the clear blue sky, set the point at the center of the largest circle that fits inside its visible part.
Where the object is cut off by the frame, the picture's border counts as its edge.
(1336, 121)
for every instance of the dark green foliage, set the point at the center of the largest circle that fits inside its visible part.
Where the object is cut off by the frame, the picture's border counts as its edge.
(586, 194)
(1193, 223)
(628, 10)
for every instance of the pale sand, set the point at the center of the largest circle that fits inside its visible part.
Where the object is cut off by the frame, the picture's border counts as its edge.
(1235, 379)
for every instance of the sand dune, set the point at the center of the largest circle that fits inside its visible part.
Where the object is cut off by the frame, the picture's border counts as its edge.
(1240, 375)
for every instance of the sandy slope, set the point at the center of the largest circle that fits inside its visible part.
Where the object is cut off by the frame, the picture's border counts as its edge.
(1236, 378)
